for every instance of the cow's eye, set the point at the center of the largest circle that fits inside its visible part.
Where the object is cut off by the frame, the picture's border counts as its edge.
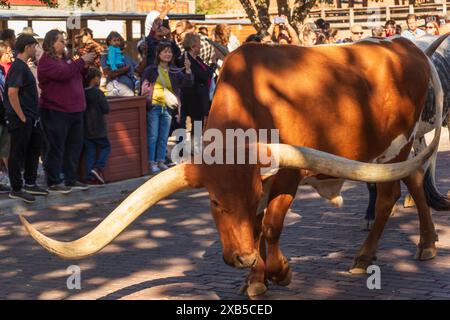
(215, 203)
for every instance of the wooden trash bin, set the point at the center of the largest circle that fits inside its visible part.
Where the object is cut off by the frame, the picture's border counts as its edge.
(127, 133)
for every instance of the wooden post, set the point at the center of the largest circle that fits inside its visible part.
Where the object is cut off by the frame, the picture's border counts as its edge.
(322, 13)
(30, 23)
(338, 4)
(411, 9)
(365, 3)
(84, 23)
(143, 27)
(388, 13)
(129, 35)
(352, 17)
(3, 24)
(351, 3)
(444, 8)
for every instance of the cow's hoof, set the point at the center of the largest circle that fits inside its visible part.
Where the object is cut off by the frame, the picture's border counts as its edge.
(360, 265)
(286, 281)
(256, 289)
(409, 202)
(367, 225)
(338, 201)
(425, 254)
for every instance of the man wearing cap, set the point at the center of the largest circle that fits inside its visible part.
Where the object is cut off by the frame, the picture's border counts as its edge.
(22, 120)
(33, 62)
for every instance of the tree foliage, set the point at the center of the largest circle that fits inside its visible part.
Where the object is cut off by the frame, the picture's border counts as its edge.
(54, 4)
(212, 6)
(258, 11)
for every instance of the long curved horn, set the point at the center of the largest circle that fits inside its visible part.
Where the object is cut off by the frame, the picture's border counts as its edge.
(288, 156)
(155, 189)
(435, 45)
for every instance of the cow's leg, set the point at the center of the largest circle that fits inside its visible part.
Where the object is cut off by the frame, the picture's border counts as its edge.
(426, 248)
(418, 145)
(448, 128)
(283, 193)
(370, 211)
(387, 195)
(256, 282)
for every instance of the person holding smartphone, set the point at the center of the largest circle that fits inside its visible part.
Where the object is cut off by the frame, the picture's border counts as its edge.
(161, 9)
(160, 82)
(286, 33)
(62, 104)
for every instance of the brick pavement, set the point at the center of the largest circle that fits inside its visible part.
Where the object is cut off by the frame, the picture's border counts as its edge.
(173, 252)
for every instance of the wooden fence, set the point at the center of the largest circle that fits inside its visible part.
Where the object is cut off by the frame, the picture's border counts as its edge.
(374, 16)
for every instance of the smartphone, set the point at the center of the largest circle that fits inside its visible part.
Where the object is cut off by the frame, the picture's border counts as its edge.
(280, 20)
(166, 23)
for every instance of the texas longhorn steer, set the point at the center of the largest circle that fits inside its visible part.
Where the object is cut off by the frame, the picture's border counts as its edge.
(441, 60)
(343, 112)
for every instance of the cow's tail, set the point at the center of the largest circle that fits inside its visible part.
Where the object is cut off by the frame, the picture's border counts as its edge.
(435, 199)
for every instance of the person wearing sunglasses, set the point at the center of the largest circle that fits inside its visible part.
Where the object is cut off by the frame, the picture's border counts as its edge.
(356, 32)
(432, 28)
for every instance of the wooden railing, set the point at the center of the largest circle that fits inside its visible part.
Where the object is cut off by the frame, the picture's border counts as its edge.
(374, 16)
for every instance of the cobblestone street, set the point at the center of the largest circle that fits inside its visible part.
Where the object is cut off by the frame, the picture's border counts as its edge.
(173, 251)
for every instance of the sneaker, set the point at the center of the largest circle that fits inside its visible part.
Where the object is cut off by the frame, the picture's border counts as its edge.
(35, 190)
(79, 186)
(4, 189)
(22, 195)
(59, 188)
(5, 180)
(93, 182)
(162, 166)
(97, 173)
(154, 168)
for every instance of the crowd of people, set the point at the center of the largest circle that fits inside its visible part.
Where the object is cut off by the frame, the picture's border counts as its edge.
(54, 96)
(320, 32)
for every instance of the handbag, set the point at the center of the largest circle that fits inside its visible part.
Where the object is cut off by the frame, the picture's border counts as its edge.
(171, 99)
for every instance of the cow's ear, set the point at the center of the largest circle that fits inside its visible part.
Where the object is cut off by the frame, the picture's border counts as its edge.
(193, 175)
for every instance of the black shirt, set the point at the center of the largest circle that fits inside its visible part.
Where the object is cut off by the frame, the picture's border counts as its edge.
(20, 76)
(96, 107)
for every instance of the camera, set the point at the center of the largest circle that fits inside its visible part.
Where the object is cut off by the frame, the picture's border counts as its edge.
(280, 20)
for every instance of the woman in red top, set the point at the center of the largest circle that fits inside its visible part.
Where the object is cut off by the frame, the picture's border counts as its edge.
(62, 104)
(9, 39)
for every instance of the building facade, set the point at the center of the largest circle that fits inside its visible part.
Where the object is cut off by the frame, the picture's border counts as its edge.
(112, 6)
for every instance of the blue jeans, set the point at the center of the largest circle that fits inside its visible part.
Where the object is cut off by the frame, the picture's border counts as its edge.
(90, 151)
(158, 127)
